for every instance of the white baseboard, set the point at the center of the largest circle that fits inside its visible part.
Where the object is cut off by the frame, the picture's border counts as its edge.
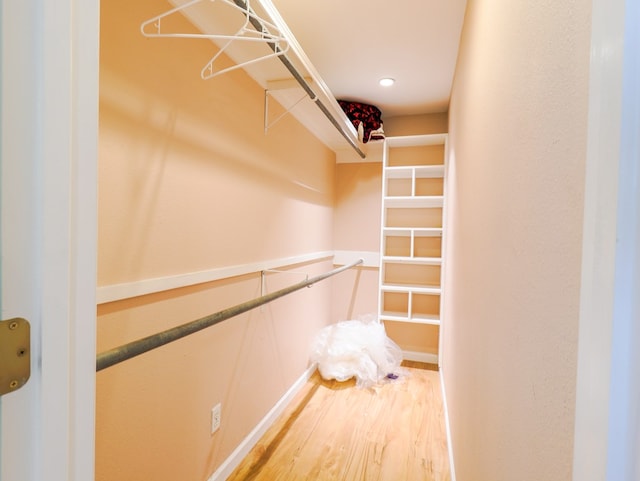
(236, 457)
(420, 357)
(447, 427)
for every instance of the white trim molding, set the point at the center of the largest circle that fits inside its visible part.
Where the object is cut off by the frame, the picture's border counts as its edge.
(599, 245)
(49, 157)
(447, 426)
(117, 292)
(370, 258)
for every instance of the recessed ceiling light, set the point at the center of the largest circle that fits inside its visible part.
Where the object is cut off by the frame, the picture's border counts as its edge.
(387, 82)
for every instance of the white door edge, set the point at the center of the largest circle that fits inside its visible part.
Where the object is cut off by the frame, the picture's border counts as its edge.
(604, 380)
(48, 171)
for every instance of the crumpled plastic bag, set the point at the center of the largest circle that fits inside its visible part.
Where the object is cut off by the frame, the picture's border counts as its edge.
(356, 348)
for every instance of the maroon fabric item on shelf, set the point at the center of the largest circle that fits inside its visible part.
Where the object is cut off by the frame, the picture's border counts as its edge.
(368, 115)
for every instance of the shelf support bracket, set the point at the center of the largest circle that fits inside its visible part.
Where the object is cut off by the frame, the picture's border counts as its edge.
(267, 124)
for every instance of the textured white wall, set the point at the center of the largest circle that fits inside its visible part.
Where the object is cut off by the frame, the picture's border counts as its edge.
(518, 122)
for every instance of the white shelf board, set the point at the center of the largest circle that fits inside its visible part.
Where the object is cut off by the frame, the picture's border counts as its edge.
(428, 261)
(414, 202)
(416, 231)
(215, 17)
(413, 288)
(426, 319)
(416, 319)
(420, 171)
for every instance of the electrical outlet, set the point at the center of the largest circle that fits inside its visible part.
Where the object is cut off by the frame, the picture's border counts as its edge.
(216, 415)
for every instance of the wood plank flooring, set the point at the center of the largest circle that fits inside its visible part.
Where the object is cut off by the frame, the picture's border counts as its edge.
(335, 431)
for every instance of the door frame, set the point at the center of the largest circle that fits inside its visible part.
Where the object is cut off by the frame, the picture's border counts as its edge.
(48, 165)
(607, 417)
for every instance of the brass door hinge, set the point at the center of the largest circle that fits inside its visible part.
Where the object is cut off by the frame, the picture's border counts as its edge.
(15, 354)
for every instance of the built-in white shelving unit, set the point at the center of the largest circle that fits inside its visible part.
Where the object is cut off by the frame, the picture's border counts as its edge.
(412, 228)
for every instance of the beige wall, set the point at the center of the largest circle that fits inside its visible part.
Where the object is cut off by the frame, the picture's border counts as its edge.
(357, 228)
(435, 123)
(188, 181)
(518, 121)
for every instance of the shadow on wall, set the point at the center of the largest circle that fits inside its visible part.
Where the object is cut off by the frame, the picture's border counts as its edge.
(154, 86)
(166, 130)
(185, 166)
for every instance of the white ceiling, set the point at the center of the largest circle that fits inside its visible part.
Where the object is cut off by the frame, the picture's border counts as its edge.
(350, 44)
(354, 43)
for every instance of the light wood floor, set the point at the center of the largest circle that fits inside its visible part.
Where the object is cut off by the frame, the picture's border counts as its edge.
(335, 431)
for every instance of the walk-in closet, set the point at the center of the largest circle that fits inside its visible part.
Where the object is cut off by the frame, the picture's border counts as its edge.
(228, 172)
(319, 240)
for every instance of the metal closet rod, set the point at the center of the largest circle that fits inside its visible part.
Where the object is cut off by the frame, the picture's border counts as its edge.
(300, 79)
(135, 348)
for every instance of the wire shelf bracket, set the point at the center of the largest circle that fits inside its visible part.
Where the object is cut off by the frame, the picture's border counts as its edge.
(274, 87)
